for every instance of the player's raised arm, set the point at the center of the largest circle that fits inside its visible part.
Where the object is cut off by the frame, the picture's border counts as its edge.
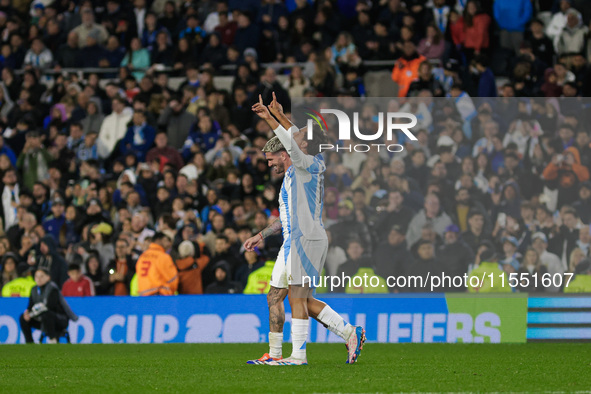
(263, 113)
(286, 134)
(277, 111)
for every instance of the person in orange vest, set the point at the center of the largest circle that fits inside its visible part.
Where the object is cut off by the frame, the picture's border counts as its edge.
(156, 272)
(406, 68)
(191, 262)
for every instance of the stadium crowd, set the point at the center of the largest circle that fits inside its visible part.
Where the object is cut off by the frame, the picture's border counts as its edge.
(98, 166)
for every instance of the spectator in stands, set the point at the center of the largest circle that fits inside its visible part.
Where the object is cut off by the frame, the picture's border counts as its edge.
(114, 127)
(190, 264)
(475, 234)
(78, 285)
(38, 56)
(296, 83)
(455, 255)
(139, 137)
(157, 274)
(550, 87)
(564, 241)
(584, 241)
(34, 160)
(486, 264)
(423, 264)
(162, 51)
(567, 172)
(486, 80)
(432, 213)
(575, 257)
(203, 136)
(223, 284)
(391, 257)
(10, 198)
(583, 204)
(168, 14)
(93, 119)
(581, 282)
(137, 58)
(177, 121)
(342, 49)
(68, 53)
(349, 227)
(22, 285)
(120, 270)
(251, 262)
(100, 242)
(323, 78)
(51, 259)
(531, 266)
(476, 30)
(356, 259)
(542, 45)
(510, 257)
(432, 46)
(563, 74)
(112, 54)
(512, 17)
(89, 26)
(406, 68)
(558, 21)
(549, 260)
(53, 223)
(247, 34)
(184, 54)
(394, 213)
(163, 153)
(47, 309)
(214, 52)
(259, 280)
(221, 252)
(426, 81)
(572, 38)
(10, 262)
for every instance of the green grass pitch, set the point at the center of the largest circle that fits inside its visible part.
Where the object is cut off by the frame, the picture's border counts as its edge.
(221, 368)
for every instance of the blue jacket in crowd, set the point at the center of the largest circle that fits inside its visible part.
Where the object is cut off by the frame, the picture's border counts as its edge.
(512, 15)
(487, 85)
(139, 140)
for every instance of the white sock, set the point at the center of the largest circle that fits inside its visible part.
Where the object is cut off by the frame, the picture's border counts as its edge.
(275, 344)
(299, 335)
(335, 323)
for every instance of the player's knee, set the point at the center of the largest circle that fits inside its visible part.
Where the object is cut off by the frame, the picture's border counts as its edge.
(270, 299)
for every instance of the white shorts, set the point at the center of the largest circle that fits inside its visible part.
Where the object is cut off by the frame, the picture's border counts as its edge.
(297, 261)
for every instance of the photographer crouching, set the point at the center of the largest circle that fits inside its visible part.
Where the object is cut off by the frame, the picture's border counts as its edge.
(48, 311)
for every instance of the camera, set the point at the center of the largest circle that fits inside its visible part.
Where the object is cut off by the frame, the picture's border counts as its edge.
(38, 309)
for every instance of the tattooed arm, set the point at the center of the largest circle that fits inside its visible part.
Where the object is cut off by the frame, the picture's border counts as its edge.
(272, 229)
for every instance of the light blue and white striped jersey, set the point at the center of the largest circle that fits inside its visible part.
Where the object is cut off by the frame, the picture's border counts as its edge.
(301, 196)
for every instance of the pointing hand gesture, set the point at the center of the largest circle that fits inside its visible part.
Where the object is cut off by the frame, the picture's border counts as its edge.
(275, 108)
(260, 109)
